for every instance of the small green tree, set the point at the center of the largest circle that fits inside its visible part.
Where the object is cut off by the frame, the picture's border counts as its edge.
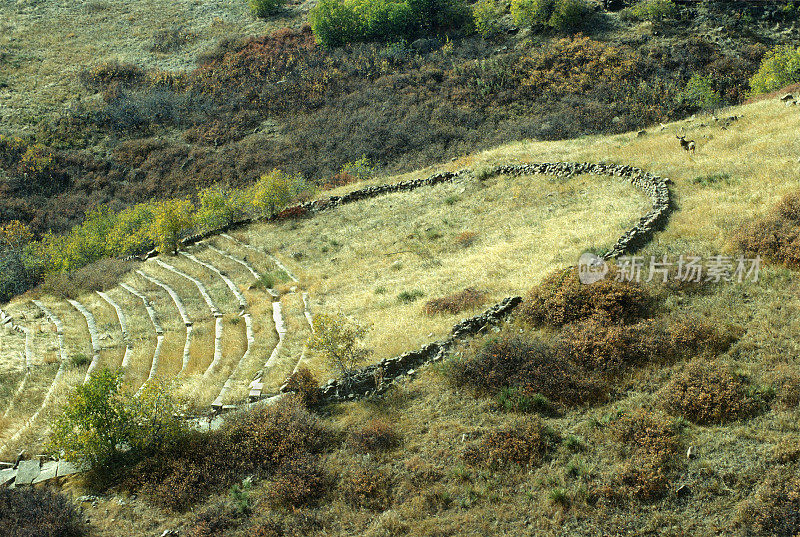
(700, 93)
(103, 428)
(219, 206)
(336, 339)
(274, 191)
(486, 17)
(780, 67)
(532, 12)
(171, 218)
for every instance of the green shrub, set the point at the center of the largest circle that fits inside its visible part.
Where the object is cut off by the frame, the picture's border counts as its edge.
(532, 12)
(571, 15)
(779, 67)
(650, 10)
(337, 340)
(219, 206)
(700, 93)
(337, 22)
(486, 17)
(79, 360)
(102, 428)
(407, 297)
(265, 8)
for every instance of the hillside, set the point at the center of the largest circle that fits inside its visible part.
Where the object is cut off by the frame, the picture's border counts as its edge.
(323, 272)
(340, 260)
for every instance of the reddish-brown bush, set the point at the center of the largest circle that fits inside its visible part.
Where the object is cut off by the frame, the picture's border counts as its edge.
(707, 392)
(561, 298)
(466, 239)
(469, 298)
(292, 213)
(303, 383)
(299, 482)
(213, 522)
(375, 435)
(652, 443)
(367, 487)
(602, 346)
(775, 235)
(534, 368)
(256, 442)
(526, 443)
(29, 512)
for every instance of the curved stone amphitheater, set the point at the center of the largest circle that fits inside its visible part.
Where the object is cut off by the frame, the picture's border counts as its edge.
(192, 318)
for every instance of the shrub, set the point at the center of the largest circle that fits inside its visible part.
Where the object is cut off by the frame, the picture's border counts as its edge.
(265, 8)
(79, 359)
(407, 297)
(774, 509)
(367, 487)
(102, 428)
(700, 93)
(375, 435)
(466, 239)
(99, 276)
(707, 392)
(779, 67)
(611, 347)
(561, 298)
(571, 15)
(215, 521)
(361, 169)
(650, 10)
(35, 512)
(514, 400)
(526, 443)
(532, 12)
(653, 442)
(486, 17)
(531, 367)
(336, 339)
(299, 482)
(254, 443)
(274, 191)
(337, 22)
(303, 383)
(467, 299)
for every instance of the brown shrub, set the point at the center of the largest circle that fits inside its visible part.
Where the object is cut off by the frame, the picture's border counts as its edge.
(691, 335)
(534, 368)
(561, 298)
(527, 443)
(367, 487)
(212, 522)
(774, 509)
(467, 299)
(776, 235)
(652, 442)
(707, 392)
(299, 482)
(256, 442)
(602, 346)
(375, 435)
(33, 512)
(133, 153)
(466, 239)
(303, 383)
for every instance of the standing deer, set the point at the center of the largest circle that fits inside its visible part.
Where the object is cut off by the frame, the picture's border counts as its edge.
(687, 145)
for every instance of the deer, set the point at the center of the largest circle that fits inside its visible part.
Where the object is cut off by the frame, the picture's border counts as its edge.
(687, 145)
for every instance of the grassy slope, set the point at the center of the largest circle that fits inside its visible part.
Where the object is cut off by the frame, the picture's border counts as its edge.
(759, 152)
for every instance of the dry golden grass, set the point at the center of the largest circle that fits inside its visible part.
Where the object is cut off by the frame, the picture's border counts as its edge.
(361, 258)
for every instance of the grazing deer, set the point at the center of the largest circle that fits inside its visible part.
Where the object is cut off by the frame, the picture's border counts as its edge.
(687, 145)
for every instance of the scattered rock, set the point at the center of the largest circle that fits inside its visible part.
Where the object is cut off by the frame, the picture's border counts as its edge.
(788, 97)
(691, 453)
